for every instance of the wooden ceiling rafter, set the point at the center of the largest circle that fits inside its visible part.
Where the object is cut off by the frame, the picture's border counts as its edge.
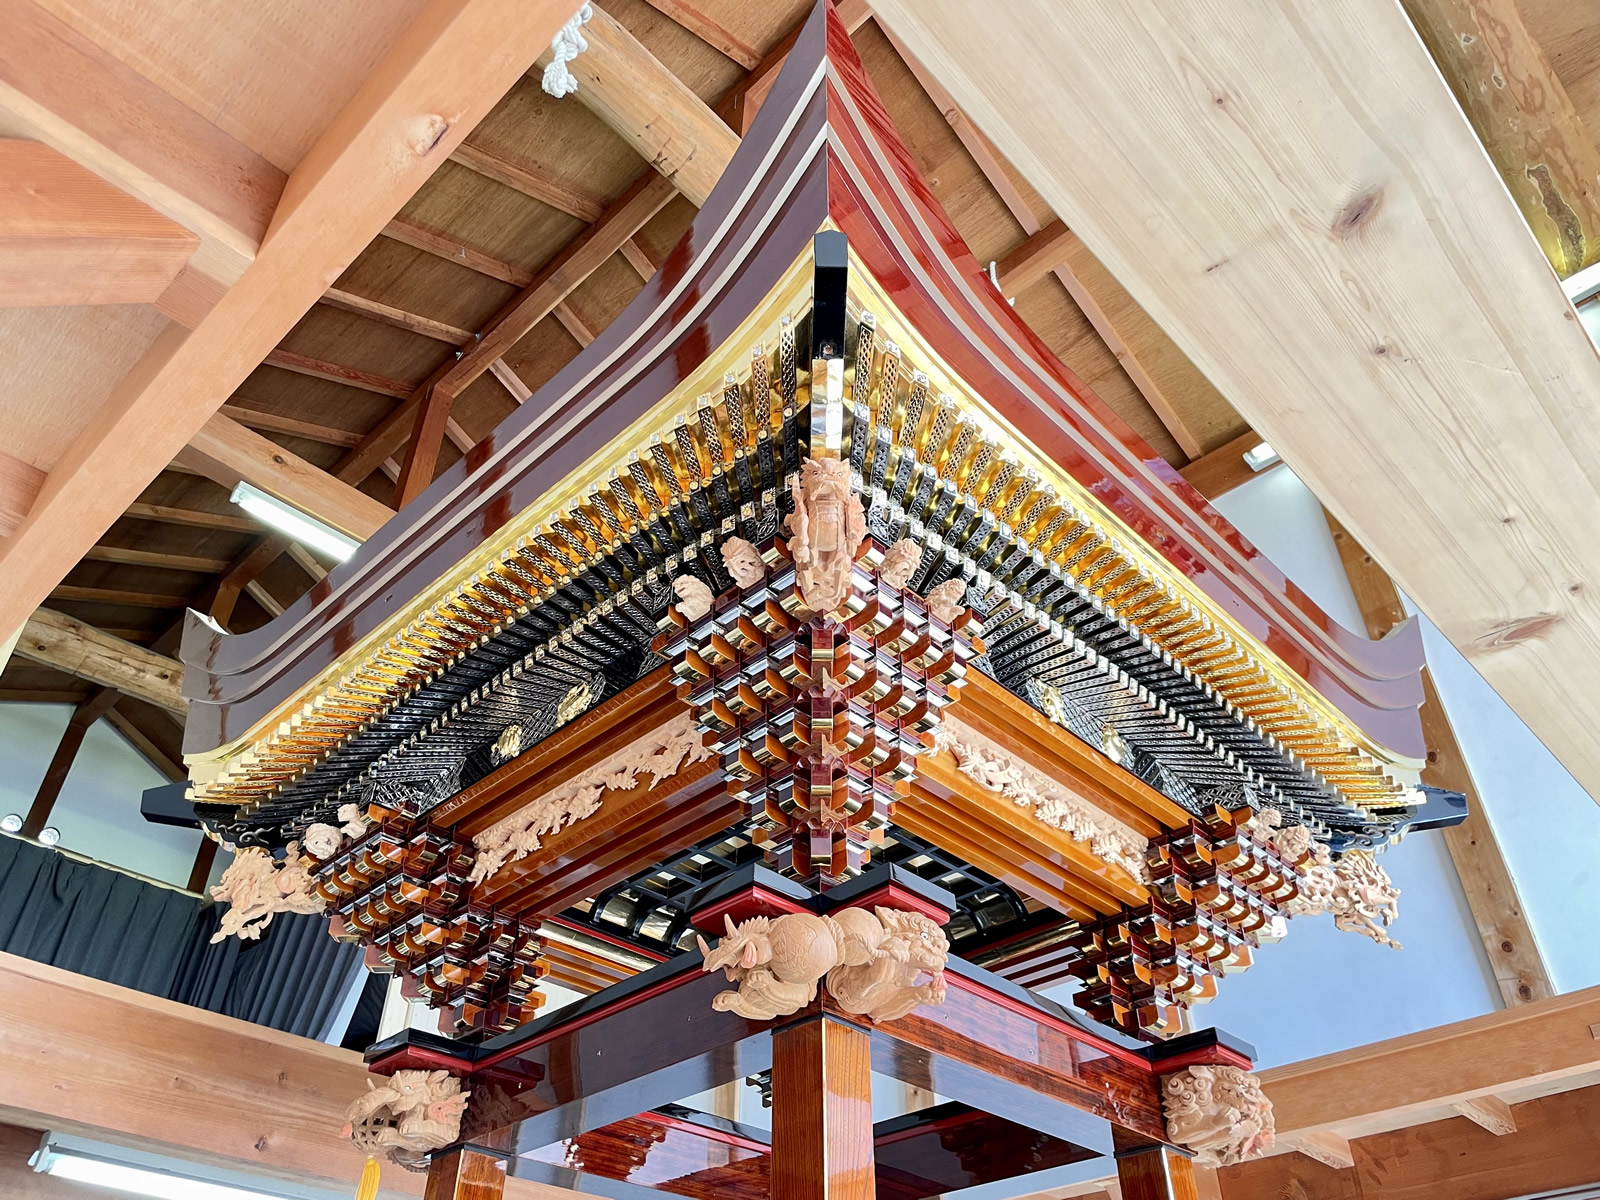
(378, 149)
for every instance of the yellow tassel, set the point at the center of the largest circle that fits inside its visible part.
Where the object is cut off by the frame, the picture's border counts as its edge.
(367, 1189)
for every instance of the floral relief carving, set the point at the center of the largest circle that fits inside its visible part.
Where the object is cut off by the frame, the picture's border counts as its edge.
(412, 1113)
(1220, 1113)
(997, 771)
(256, 889)
(879, 964)
(659, 755)
(825, 531)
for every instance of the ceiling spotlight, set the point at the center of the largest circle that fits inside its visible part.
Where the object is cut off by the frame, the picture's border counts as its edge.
(49, 835)
(11, 823)
(1260, 457)
(289, 520)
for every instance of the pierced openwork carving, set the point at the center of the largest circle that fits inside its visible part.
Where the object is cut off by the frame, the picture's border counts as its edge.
(1024, 786)
(825, 531)
(256, 889)
(412, 1113)
(879, 965)
(660, 755)
(1356, 890)
(1218, 1112)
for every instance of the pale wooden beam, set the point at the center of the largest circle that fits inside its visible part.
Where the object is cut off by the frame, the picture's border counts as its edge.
(80, 650)
(1437, 399)
(1491, 892)
(154, 558)
(1328, 1148)
(441, 245)
(713, 34)
(19, 485)
(315, 368)
(69, 237)
(257, 591)
(653, 110)
(561, 195)
(58, 86)
(252, 418)
(573, 324)
(192, 517)
(502, 371)
(1533, 1048)
(1039, 256)
(398, 318)
(638, 259)
(1490, 1112)
(228, 452)
(1554, 1152)
(438, 79)
(304, 559)
(1524, 119)
(1219, 472)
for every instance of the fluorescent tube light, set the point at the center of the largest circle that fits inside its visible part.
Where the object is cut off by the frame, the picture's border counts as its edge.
(145, 1173)
(141, 1181)
(287, 519)
(1259, 458)
(1583, 284)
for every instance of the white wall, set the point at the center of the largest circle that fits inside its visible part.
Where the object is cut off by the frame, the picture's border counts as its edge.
(1320, 990)
(97, 811)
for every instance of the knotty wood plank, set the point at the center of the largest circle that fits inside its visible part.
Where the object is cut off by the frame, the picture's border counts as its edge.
(69, 237)
(1303, 207)
(79, 649)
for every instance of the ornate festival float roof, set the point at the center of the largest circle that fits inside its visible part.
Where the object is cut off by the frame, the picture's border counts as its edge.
(815, 576)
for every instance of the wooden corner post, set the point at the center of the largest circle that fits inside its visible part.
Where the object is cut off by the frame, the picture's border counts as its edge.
(1156, 1172)
(466, 1175)
(822, 1112)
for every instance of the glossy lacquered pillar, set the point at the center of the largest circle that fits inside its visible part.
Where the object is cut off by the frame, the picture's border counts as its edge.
(822, 1113)
(466, 1175)
(1156, 1173)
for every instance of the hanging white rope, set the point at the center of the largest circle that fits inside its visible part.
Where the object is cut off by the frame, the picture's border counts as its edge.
(995, 279)
(568, 43)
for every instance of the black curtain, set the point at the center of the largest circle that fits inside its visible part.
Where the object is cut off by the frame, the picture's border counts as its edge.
(98, 922)
(294, 978)
(84, 918)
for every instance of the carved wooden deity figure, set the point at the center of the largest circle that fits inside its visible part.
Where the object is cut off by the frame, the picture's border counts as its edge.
(825, 531)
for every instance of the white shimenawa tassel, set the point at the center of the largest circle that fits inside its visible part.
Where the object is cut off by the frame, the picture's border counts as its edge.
(568, 43)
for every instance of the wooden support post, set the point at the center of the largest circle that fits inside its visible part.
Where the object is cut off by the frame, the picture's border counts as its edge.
(203, 859)
(86, 714)
(1491, 893)
(422, 455)
(466, 1175)
(822, 1113)
(1156, 1173)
